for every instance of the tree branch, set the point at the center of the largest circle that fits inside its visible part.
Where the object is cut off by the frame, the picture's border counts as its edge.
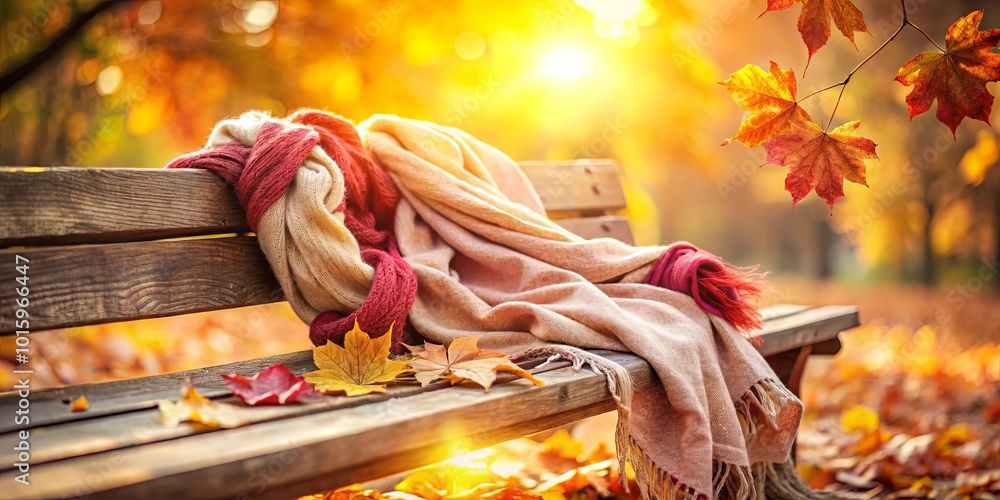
(15, 76)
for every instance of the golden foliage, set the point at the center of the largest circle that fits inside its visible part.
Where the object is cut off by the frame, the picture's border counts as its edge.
(362, 366)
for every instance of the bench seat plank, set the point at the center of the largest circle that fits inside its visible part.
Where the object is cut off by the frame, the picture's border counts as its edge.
(334, 444)
(136, 421)
(136, 394)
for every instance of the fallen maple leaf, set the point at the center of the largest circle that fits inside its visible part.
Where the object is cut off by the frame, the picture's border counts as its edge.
(957, 77)
(770, 100)
(821, 161)
(462, 361)
(193, 407)
(273, 386)
(362, 366)
(814, 20)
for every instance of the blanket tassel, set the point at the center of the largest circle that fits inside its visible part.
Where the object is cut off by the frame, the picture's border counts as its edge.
(758, 407)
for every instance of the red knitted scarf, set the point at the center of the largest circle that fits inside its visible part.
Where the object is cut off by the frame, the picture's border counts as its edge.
(263, 172)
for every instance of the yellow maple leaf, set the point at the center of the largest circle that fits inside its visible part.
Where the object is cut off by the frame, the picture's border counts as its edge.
(463, 361)
(362, 366)
(193, 407)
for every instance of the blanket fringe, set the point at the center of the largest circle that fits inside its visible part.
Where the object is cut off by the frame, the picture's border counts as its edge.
(760, 406)
(619, 381)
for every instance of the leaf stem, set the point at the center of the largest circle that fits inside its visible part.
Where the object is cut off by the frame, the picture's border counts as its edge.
(847, 79)
(928, 37)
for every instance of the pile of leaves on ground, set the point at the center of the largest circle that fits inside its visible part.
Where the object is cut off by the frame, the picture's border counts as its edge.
(903, 414)
(559, 467)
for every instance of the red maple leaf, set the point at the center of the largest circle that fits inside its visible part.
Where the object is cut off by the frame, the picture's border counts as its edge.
(820, 160)
(956, 77)
(273, 386)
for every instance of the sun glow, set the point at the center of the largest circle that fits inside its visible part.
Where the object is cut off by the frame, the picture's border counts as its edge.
(566, 64)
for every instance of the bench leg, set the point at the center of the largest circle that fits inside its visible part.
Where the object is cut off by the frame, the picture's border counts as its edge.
(790, 365)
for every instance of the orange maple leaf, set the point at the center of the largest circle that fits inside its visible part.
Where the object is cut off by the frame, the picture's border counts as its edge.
(770, 100)
(814, 20)
(957, 77)
(820, 160)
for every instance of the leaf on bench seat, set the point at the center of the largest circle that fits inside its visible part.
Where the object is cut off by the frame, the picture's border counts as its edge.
(276, 385)
(463, 361)
(193, 407)
(362, 366)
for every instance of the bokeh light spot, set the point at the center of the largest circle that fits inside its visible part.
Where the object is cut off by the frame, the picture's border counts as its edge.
(260, 15)
(470, 45)
(150, 12)
(108, 80)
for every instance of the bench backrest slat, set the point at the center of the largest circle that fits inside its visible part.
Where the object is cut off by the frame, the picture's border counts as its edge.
(55, 206)
(97, 239)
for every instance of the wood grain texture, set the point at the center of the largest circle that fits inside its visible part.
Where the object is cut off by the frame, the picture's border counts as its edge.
(604, 226)
(62, 205)
(123, 413)
(222, 464)
(90, 284)
(587, 186)
(812, 326)
(44, 206)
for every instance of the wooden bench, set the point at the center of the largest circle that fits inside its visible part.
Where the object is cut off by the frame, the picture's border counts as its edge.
(111, 245)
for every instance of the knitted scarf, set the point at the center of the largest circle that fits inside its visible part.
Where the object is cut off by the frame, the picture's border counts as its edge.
(408, 222)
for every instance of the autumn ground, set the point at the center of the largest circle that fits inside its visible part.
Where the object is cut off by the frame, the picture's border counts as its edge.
(909, 409)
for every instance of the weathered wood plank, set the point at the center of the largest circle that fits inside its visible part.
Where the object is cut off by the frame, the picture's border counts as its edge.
(86, 435)
(434, 423)
(127, 417)
(605, 226)
(90, 284)
(44, 206)
(136, 394)
(58, 206)
(578, 186)
(49, 406)
(812, 326)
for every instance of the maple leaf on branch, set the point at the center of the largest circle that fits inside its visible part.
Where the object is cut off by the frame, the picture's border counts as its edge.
(814, 20)
(821, 160)
(463, 361)
(956, 77)
(273, 386)
(769, 97)
(362, 366)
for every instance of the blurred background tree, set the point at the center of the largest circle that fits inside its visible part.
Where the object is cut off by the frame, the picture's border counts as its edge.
(134, 83)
